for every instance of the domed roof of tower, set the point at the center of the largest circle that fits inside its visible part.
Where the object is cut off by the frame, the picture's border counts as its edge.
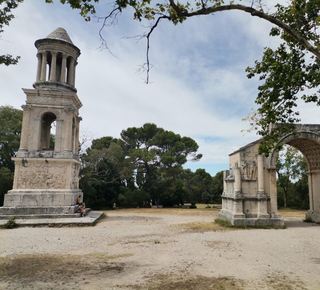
(60, 34)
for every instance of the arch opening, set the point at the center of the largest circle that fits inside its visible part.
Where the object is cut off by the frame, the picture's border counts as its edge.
(308, 144)
(292, 179)
(47, 140)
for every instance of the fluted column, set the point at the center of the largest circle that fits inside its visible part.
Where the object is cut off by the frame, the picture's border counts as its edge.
(262, 197)
(25, 128)
(260, 175)
(237, 180)
(63, 68)
(43, 67)
(71, 72)
(238, 197)
(74, 74)
(76, 141)
(273, 192)
(310, 183)
(39, 55)
(53, 66)
(68, 117)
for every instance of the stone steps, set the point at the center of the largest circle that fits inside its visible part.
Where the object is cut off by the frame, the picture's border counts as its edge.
(39, 212)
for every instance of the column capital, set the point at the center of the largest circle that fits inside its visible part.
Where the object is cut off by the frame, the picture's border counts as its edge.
(69, 109)
(26, 107)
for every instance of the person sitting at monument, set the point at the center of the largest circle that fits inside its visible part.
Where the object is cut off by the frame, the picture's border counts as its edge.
(79, 199)
(82, 210)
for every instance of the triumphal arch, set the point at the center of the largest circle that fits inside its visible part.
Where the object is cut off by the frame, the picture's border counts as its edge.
(46, 177)
(250, 185)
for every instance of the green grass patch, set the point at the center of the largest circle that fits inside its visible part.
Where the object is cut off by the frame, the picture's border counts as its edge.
(227, 224)
(11, 223)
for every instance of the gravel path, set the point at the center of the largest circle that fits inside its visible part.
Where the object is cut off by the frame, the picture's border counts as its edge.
(155, 250)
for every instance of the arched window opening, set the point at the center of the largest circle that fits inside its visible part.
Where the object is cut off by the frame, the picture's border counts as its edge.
(48, 70)
(48, 131)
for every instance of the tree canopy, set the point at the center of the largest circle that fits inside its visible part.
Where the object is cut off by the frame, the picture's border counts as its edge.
(10, 131)
(5, 17)
(292, 170)
(144, 165)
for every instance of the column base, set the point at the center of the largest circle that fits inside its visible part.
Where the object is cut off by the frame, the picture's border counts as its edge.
(313, 215)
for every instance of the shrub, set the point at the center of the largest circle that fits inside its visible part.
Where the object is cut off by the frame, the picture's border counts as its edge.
(11, 223)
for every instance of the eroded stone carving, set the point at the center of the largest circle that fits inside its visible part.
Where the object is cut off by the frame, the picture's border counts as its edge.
(248, 169)
(41, 175)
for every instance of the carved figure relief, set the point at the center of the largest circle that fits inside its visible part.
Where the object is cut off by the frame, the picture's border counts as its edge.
(41, 175)
(248, 169)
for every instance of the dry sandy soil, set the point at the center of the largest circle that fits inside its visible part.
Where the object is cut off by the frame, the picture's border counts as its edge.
(161, 249)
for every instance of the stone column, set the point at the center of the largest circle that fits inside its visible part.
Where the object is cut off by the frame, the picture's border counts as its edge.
(310, 183)
(237, 180)
(25, 128)
(238, 197)
(74, 74)
(67, 134)
(39, 66)
(76, 141)
(63, 68)
(43, 67)
(260, 175)
(57, 141)
(273, 192)
(71, 72)
(53, 66)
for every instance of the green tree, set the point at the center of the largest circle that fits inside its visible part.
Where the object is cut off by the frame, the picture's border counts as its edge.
(217, 187)
(201, 185)
(5, 17)
(291, 166)
(301, 187)
(10, 131)
(288, 72)
(157, 156)
(104, 171)
(6, 180)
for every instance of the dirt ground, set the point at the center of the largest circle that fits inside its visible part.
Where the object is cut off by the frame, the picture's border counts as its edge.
(161, 249)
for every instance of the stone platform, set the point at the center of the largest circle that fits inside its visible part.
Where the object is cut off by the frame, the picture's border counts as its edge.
(55, 220)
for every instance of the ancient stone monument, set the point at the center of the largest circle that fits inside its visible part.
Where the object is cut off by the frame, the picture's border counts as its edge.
(250, 185)
(46, 177)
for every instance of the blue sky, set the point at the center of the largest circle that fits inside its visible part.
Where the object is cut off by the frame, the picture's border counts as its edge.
(198, 83)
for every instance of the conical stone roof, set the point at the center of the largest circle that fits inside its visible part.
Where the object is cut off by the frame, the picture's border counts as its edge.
(60, 34)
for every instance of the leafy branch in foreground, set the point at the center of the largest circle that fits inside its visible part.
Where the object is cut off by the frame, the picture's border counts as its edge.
(5, 17)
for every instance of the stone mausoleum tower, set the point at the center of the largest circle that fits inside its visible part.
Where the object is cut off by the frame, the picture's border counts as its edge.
(46, 177)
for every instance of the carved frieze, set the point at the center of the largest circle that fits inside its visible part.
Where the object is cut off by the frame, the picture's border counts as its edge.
(42, 175)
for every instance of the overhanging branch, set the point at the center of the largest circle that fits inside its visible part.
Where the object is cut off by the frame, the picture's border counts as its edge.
(210, 10)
